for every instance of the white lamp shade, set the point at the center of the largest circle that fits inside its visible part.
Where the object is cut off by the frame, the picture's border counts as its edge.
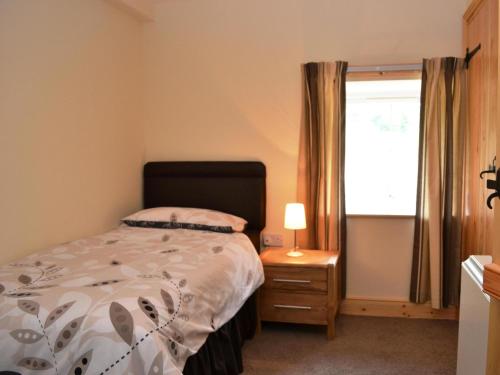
(295, 216)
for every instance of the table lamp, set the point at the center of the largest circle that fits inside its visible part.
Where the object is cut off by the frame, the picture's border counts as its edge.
(295, 218)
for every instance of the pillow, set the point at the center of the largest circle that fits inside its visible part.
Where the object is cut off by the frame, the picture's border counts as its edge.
(187, 218)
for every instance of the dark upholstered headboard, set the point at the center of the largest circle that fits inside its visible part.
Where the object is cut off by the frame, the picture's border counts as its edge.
(235, 187)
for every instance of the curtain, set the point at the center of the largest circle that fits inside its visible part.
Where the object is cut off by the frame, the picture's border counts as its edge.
(438, 222)
(321, 159)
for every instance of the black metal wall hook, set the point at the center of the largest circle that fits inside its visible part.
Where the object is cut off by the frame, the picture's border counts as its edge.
(490, 198)
(493, 185)
(470, 54)
(491, 168)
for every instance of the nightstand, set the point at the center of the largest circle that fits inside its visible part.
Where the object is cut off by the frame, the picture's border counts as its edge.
(300, 290)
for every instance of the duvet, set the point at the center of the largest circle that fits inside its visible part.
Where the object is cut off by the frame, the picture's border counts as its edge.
(131, 301)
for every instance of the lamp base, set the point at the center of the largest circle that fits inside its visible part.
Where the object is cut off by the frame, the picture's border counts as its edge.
(294, 253)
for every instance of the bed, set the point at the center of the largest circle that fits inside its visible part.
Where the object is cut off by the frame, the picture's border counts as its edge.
(143, 300)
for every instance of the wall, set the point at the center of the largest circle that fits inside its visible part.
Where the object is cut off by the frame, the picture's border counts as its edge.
(380, 257)
(141, 9)
(71, 140)
(223, 82)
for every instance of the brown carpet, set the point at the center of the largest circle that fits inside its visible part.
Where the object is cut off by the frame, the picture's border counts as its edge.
(363, 345)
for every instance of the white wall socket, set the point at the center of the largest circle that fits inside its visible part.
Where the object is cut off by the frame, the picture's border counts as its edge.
(274, 240)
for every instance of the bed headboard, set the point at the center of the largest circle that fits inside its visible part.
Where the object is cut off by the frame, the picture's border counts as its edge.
(235, 187)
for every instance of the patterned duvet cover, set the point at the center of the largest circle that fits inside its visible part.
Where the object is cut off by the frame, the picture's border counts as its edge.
(131, 301)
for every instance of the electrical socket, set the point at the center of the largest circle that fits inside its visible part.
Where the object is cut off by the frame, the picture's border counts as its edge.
(273, 240)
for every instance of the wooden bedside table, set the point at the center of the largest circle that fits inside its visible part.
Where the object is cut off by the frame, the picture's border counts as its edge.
(300, 290)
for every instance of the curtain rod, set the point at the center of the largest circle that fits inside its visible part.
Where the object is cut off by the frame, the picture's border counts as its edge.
(385, 68)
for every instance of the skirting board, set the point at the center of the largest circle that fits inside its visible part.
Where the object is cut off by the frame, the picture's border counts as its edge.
(395, 309)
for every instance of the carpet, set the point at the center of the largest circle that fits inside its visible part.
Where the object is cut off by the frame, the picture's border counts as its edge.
(363, 345)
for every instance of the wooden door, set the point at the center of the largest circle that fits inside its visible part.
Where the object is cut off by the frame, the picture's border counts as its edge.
(482, 225)
(480, 27)
(493, 366)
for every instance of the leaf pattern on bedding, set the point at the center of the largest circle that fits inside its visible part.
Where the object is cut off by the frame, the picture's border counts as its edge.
(183, 317)
(33, 363)
(53, 269)
(81, 364)
(26, 336)
(104, 282)
(49, 278)
(38, 315)
(168, 300)
(177, 337)
(249, 277)
(122, 321)
(172, 348)
(173, 345)
(149, 309)
(149, 276)
(24, 279)
(217, 249)
(187, 298)
(38, 287)
(67, 333)
(157, 365)
(169, 251)
(23, 294)
(57, 313)
(29, 306)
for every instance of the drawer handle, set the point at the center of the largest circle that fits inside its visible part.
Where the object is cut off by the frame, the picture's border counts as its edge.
(292, 281)
(292, 307)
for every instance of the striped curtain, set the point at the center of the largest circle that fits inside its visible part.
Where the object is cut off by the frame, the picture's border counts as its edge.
(440, 195)
(321, 158)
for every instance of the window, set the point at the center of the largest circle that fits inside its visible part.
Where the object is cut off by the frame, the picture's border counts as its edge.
(382, 136)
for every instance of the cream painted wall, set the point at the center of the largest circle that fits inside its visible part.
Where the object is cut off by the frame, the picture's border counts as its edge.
(141, 9)
(223, 77)
(223, 82)
(71, 139)
(379, 260)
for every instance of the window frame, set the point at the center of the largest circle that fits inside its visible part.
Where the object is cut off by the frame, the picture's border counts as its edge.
(387, 75)
(383, 75)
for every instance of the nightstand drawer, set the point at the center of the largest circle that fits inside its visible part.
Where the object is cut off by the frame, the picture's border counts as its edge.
(293, 307)
(296, 279)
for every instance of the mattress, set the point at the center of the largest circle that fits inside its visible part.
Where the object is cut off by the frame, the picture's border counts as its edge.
(131, 301)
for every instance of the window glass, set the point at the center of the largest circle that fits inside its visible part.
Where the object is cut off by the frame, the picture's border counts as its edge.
(382, 136)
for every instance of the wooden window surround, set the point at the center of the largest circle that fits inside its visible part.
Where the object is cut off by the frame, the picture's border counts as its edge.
(384, 75)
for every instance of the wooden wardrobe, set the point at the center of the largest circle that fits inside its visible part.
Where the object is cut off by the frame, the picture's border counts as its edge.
(482, 225)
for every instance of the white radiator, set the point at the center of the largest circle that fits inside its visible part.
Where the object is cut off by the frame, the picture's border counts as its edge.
(474, 318)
